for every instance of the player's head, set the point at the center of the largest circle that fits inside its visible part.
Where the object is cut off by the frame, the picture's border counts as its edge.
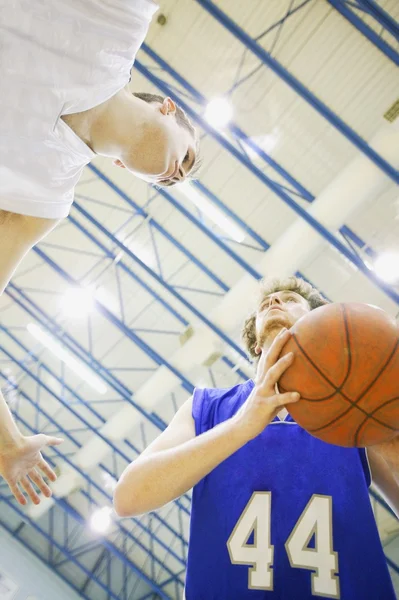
(164, 149)
(281, 303)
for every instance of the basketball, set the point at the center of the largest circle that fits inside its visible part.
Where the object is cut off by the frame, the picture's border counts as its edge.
(346, 368)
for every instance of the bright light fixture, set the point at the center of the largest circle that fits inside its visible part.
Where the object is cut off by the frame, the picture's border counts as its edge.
(266, 142)
(386, 266)
(100, 520)
(77, 367)
(109, 481)
(219, 112)
(77, 302)
(212, 212)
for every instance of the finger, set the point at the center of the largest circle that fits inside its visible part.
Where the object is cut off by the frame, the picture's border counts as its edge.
(277, 345)
(276, 371)
(39, 482)
(29, 489)
(286, 398)
(267, 359)
(18, 495)
(46, 469)
(42, 440)
(53, 441)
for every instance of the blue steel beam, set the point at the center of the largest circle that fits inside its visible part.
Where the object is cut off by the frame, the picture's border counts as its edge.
(70, 557)
(201, 317)
(380, 15)
(95, 567)
(164, 232)
(94, 485)
(106, 544)
(88, 426)
(314, 223)
(247, 267)
(47, 322)
(239, 134)
(345, 9)
(32, 549)
(133, 337)
(299, 88)
(66, 433)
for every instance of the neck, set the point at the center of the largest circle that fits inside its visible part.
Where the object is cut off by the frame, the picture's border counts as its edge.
(104, 128)
(115, 125)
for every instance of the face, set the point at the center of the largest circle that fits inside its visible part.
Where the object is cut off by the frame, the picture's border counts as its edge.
(278, 310)
(165, 152)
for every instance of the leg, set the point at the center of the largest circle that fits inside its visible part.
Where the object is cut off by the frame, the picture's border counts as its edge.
(18, 234)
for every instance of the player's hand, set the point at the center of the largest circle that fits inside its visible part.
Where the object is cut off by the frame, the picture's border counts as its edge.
(264, 403)
(21, 464)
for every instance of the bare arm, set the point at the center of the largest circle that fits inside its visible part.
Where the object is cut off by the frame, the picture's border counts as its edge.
(174, 463)
(177, 460)
(18, 233)
(20, 455)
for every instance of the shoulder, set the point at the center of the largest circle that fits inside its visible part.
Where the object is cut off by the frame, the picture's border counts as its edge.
(212, 406)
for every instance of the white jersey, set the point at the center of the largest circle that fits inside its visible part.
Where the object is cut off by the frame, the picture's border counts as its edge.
(58, 57)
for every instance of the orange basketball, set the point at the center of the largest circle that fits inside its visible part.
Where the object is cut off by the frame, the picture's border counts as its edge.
(346, 369)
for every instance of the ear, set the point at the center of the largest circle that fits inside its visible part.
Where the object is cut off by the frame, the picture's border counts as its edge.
(258, 349)
(118, 163)
(168, 107)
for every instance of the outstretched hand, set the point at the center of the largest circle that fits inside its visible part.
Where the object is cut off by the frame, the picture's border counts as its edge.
(21, 464)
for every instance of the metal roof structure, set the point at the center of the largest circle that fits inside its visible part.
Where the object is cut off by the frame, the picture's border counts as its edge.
(303, 180)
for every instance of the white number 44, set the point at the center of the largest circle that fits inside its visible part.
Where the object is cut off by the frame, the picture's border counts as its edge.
(316, 519)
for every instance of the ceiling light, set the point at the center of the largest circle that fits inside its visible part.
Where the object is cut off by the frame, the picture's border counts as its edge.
(59, 351)
(386, 266)
(110, 482)
(266, 142)
(77, 302)
(100, 520)
(219, 112)
(212, 212)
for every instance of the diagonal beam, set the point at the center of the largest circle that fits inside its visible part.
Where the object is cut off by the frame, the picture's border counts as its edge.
(346, 11)
(306, 215)
(380, 15)
(299, 88)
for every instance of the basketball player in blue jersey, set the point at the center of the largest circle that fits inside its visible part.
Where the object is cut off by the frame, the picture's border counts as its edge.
(276, 513)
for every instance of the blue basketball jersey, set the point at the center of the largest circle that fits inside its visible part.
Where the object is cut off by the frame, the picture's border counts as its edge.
(286, 517)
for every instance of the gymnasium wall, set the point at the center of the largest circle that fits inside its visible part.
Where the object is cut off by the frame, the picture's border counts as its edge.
(25, 577)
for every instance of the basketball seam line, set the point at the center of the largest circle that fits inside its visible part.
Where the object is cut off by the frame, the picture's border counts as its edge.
(353, 403)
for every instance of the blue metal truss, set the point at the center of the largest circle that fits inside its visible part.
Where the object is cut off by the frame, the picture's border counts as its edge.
(95, 563)
(243, 158)
(298, 87)
(77, 552)
(352, 11)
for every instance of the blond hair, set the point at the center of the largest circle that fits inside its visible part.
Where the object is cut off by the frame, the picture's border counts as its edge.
(270, 286)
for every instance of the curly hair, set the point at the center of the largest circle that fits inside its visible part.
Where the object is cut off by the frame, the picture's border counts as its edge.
(270, 286)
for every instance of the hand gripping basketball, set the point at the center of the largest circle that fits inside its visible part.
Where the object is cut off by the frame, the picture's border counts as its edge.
(264, 403)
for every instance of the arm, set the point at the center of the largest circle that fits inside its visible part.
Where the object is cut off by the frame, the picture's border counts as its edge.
(177, 460)
(384, 466)
(9, 432)
(174, 463)
(20, 458)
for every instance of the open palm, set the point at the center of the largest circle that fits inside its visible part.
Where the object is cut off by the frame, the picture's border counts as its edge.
(21, 464)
